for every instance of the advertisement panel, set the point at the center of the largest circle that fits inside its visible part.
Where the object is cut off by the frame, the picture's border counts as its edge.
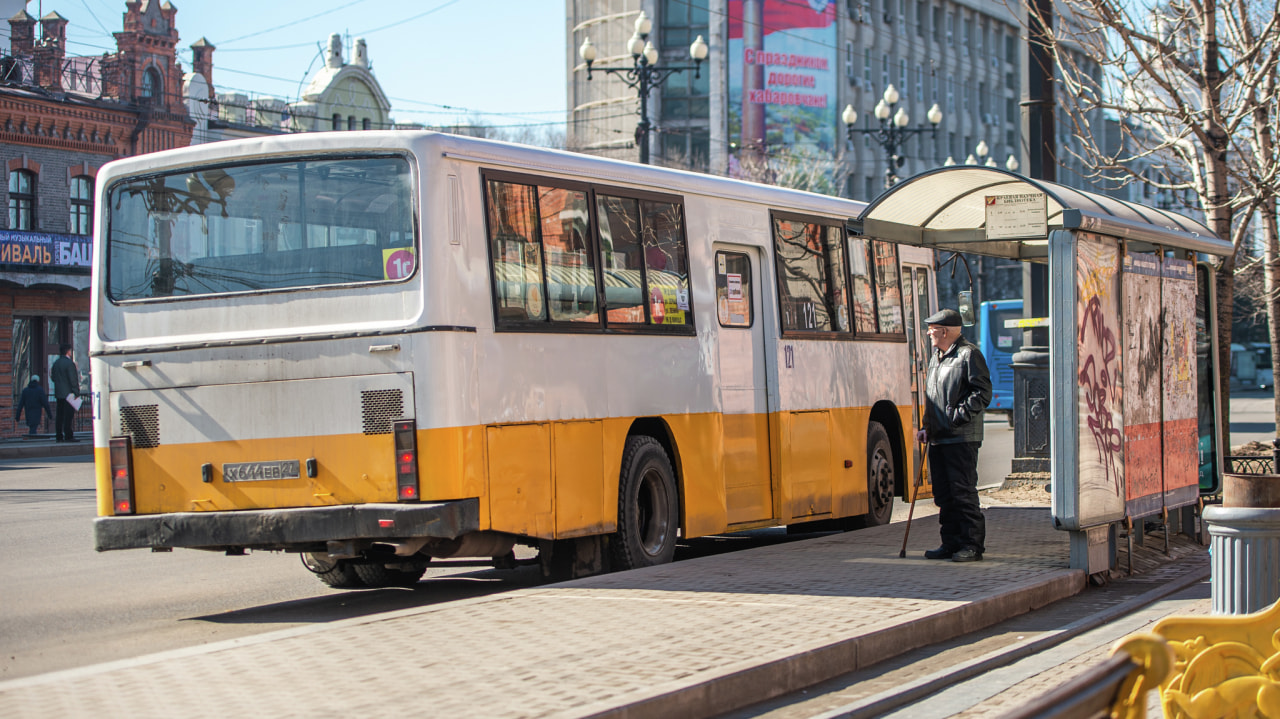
(782, 75)
(43, 249)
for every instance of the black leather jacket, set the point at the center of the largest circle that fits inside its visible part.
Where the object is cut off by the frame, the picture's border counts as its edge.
(957, 390)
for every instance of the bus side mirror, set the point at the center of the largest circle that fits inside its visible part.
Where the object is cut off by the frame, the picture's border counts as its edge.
(966, 308)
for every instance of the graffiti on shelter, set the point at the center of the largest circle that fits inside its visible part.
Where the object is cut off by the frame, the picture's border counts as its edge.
(1098, 373)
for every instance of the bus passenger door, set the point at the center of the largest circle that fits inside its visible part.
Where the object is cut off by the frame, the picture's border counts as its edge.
(744, 395)
(917, 283)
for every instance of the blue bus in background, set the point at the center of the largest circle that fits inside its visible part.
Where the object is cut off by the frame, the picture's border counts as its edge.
(998, 345)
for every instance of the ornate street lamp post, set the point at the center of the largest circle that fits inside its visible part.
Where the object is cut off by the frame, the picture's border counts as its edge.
(982, 151)
(893, 131)
(644, 74)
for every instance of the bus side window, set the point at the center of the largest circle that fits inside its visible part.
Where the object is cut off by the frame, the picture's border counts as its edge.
(645, 261)
(811, 301)
(864, 301)
(515, 252)
(888, 291)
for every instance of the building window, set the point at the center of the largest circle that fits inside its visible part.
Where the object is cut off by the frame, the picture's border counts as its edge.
(152, 88)
(22, 200)
(903, 81)
(866, 68)
(337, 121)
(922, 16)
(81, 222)
(351, 122)
(365, 124)
(951, 28)
(682, 21)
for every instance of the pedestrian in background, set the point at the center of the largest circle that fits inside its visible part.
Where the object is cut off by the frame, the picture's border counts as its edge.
(35, 404)
(66, 383)
(957, 391)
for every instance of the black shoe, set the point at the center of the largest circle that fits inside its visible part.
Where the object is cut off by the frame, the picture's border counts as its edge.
(967, 555)
(939, 553)
(70, 439)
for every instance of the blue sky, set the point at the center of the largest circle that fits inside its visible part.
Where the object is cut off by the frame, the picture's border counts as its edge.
(439, 61)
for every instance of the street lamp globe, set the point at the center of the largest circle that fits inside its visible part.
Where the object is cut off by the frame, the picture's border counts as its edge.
(698, 50)
(935, 114)
(970, 160)
(643, 24)
(650, 53)
(1011, 164)
(882, 110)
(636, 45)
(949, 162)
(900, 118)
(588, 51)
(982, 149)
(849, 116)
(991, 162)
(891, 95)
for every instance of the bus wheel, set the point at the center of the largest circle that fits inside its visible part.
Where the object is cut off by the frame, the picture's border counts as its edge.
(880, 478)
(380, 575)
(647, 507)
(337, 573)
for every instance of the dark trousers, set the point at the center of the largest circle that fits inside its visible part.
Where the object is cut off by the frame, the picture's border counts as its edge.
(65, 421)
(33, 425)
(954, 469)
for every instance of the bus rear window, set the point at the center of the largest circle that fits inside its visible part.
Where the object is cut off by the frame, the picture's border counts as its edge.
(1003, 338)
(261, 226)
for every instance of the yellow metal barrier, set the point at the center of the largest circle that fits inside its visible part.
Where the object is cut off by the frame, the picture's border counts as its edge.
(1204, 667)
(1226, 666)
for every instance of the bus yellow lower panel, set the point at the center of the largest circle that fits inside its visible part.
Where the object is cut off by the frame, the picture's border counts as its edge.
(548, 479)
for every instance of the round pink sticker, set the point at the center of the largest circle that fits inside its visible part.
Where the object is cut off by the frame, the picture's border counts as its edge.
(399, 264)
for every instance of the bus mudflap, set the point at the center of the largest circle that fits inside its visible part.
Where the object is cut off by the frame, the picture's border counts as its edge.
(287, 528)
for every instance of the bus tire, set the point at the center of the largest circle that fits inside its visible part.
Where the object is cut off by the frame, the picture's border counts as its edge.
(377, 576)
(336, 573)
(881, 479)
(648, 507)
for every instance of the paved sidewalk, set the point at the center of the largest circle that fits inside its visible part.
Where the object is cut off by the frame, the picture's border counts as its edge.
(687, 639)
(44, 446)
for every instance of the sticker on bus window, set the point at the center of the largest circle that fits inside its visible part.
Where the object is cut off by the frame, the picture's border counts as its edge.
(1004, 341)
(733, 284)
(664, 305)
(397, 263)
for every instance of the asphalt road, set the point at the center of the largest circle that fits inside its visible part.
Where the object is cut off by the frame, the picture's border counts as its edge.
(66, 606)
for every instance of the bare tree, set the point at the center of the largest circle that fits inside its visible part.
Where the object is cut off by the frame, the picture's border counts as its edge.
(793, 168)
(1190, 79)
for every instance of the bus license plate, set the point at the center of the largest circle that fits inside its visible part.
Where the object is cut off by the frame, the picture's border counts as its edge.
(259, 471)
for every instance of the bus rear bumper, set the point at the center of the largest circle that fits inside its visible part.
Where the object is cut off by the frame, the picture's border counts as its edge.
(287, 528)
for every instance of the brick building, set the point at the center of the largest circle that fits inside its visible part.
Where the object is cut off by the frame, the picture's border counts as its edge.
(62, 118)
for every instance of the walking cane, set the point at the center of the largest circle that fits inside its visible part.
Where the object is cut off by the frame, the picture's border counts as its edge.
(915, 490)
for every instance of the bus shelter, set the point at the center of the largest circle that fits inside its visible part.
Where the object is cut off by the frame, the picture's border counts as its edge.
(1132, 338)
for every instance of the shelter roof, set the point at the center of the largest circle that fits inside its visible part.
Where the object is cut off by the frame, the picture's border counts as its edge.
(947, 208)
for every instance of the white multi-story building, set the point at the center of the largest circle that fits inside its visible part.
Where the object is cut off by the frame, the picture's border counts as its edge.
(810, 59)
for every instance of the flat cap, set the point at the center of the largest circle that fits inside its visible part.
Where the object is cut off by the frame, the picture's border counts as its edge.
(946, 318)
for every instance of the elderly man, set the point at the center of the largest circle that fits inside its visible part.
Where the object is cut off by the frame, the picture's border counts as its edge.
(957, 391)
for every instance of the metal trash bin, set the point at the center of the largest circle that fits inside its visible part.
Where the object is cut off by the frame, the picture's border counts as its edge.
(1245, 544)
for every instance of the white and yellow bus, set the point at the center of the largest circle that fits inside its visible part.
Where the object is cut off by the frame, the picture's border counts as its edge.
(378, 348)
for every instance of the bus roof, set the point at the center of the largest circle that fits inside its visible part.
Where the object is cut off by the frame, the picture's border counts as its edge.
(510, 156)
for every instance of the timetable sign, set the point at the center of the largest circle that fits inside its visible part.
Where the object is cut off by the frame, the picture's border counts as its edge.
(1011, 217)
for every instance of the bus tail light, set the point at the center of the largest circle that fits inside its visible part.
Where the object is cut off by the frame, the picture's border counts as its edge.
(122, 475)
(406, 442)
